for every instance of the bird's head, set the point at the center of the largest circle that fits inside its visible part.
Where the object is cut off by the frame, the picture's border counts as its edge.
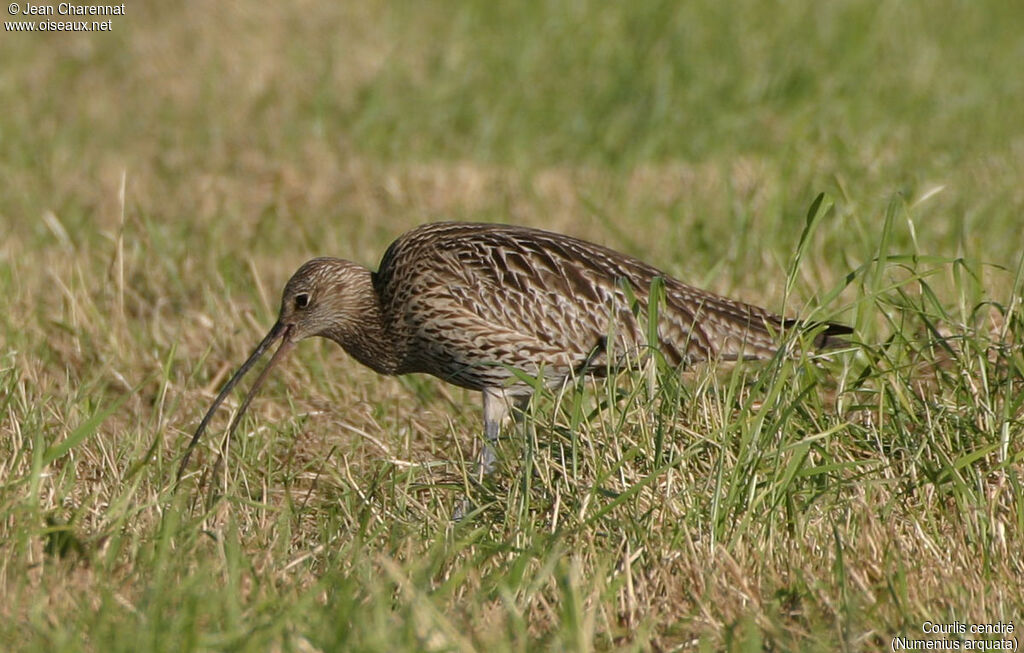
(325, 297)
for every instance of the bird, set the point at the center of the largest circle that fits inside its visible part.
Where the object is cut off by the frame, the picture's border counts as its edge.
(489, 307)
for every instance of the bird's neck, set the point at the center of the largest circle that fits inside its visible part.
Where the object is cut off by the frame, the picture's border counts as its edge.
(366, 336)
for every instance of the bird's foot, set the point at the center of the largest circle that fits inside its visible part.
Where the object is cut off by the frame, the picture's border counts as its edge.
(462, 509)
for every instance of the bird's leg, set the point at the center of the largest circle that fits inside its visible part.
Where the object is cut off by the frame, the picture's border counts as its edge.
(496, 408)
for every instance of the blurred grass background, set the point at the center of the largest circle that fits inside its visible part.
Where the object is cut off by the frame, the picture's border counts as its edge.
(248, 137)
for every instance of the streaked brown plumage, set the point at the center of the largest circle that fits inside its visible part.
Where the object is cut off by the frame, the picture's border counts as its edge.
(469, 303)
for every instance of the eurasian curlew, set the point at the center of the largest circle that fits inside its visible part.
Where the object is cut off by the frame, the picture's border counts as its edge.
(470, 303)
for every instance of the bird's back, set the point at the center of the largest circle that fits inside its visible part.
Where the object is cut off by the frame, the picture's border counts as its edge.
(468, 301)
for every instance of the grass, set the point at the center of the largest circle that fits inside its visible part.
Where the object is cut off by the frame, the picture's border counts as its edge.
(163, 180)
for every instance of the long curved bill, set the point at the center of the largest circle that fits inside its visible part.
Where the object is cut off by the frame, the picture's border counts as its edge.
(279, 330)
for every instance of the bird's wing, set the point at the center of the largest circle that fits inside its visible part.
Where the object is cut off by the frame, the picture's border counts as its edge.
(574, 293)
(572, 296)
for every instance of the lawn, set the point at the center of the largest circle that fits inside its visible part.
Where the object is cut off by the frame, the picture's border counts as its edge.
(852, 161)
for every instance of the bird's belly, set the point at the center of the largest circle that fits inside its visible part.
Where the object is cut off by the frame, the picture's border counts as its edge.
(490, 365)
(498, 364)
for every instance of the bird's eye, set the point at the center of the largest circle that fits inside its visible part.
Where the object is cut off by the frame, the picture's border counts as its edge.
(301, 300)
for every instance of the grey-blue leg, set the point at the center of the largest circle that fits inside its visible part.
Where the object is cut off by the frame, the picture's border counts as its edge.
(497, 406)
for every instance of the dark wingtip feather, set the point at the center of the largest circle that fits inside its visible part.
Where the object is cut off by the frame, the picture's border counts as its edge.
(833, 336)
(830, 336)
